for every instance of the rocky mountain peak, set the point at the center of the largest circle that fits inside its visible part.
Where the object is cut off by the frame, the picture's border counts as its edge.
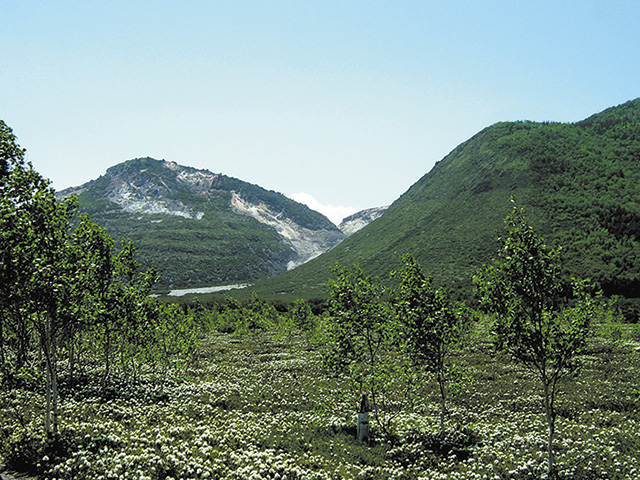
(232, 230)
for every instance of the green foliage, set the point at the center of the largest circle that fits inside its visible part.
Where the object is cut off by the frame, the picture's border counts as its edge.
(524, 288)
(535, 323)
(25, 449)
(429, 325)
(452, 442)
(302, 315)
(611, 331)
(361, 340)
(579, 182)
(11, 154)
(360, 325)
(634, 332)
(36, 274)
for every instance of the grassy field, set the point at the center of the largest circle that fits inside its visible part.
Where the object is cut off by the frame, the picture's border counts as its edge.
(261, 407)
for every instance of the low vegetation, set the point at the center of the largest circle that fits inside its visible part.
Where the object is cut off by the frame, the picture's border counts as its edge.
(261, 404)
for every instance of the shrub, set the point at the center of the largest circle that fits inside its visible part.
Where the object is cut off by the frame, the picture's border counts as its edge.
(611, 332)
(31, 451)
(418, 446)
(633, 333)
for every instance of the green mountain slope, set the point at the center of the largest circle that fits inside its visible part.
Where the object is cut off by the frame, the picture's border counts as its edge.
(579, 182)
(200, 228)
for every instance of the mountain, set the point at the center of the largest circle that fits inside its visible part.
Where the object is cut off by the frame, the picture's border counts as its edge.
(201, 228)
(578, 182)
(361, 219)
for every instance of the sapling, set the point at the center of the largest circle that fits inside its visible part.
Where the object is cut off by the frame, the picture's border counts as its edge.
(430, 326)
(540, 319)
(360, 335)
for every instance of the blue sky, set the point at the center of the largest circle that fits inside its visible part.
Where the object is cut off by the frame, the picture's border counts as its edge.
(349, 102)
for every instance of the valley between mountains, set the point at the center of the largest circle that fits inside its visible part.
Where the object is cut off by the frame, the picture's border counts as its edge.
(200, 229)
(579, 183)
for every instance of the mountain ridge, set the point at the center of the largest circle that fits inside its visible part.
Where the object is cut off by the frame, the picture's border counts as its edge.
(353, 223)
(579, 183)
(200, 228)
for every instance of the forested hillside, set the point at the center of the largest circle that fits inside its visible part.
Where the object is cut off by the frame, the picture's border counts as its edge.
(200, 228)
(579, 183)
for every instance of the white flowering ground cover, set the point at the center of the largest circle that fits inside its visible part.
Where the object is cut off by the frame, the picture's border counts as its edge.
(254, 407)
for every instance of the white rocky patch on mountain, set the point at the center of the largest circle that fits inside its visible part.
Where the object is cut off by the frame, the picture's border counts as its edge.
(358, 221)
(307, 243)
(135, 200)
(198, 181)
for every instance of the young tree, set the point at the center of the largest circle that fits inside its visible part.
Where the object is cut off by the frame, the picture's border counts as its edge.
(301, 315)
(176, 333)
(93, 257)
(542, 321)
(361, 330)
(35, 271)
(130, 291)
(17, 182)
(50, 281)
(430, 325)
(122, 324)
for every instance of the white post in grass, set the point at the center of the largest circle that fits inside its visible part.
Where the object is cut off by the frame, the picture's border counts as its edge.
(363, 420)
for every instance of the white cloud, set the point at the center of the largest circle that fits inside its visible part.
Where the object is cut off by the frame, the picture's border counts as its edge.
(332, 212)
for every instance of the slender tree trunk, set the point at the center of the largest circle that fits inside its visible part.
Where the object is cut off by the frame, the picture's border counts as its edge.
(54, 385)
(23, 340)
(551, 420)
(52, 412)
(47, 341)
(80, 352)
(3, 360)
(107, 355)
(551, 468)
(47, 412)
(45, 361)
(71, 358)
(377, 411)
(443, 399)
(124, 370)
